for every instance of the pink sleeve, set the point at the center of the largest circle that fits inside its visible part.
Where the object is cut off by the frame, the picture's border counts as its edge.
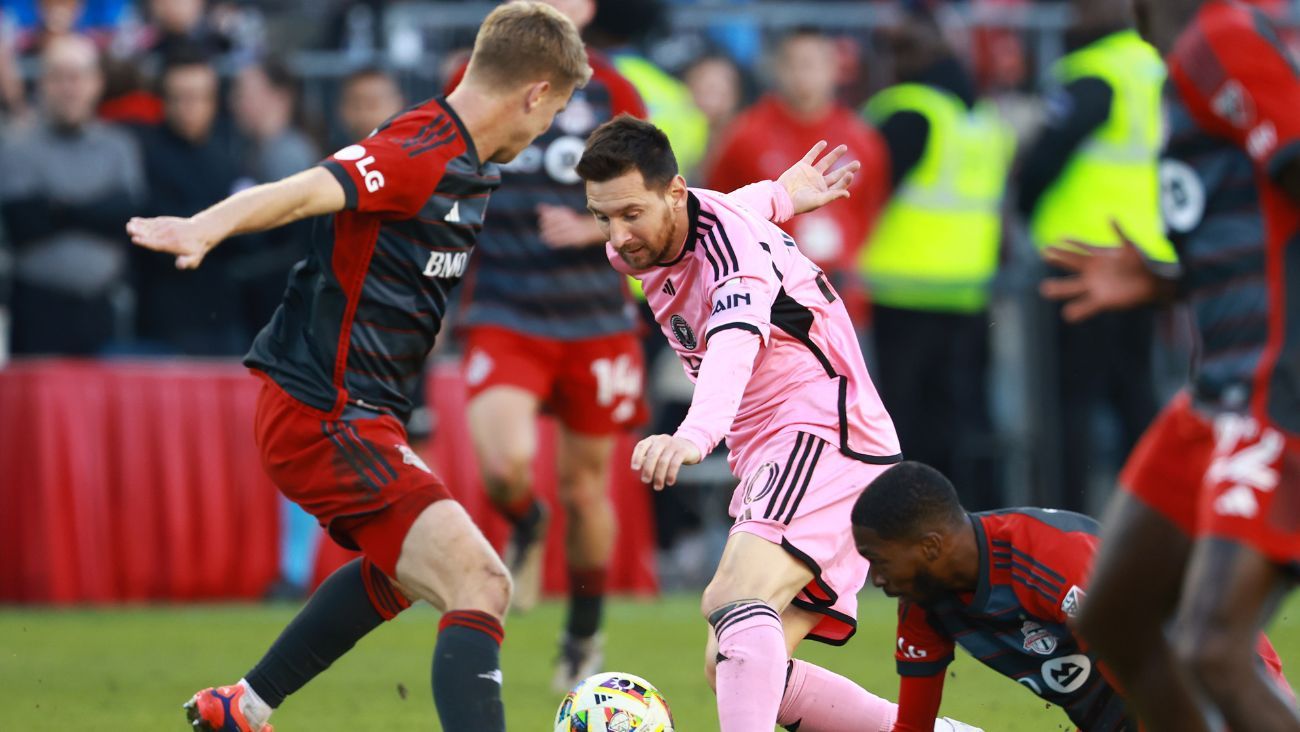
(724, 374)
(768, 199)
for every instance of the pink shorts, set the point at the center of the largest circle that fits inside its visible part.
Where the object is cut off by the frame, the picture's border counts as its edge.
(798, 493)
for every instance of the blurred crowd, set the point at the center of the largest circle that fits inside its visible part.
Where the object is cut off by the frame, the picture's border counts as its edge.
(111, 109)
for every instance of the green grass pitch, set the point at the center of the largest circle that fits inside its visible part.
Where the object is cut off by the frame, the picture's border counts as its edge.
(132, 668)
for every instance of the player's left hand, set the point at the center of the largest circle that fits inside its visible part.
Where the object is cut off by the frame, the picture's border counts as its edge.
(813, 183)
(183, 237)
(562, 227)
(1103, 278)
(659, 457)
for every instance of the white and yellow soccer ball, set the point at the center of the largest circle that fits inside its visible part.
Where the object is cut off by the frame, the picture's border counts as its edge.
(614, 702)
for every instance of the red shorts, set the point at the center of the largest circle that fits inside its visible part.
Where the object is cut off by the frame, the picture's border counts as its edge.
(1231, 478)
(355, 474)
(593, 386)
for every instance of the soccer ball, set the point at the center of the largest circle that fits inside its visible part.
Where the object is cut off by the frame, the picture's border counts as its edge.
(614, 702)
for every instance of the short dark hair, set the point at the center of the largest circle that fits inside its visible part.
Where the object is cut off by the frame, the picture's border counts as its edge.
(624, 144)
(906, 501)
(367, 72)
(800, 32)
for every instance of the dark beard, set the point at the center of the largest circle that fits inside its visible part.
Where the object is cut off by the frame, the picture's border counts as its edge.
(671, 220)
(927, 588)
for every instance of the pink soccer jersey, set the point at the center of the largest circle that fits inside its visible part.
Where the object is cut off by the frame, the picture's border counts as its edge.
(740, 274)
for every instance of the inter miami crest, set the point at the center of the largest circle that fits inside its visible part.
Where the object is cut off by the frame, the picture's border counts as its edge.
(682, 331)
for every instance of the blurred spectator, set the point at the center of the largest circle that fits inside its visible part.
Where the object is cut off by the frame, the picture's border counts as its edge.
(181, 26)
(39, 21)
(782, 126)
(368, 98)
(13, 95)
(265, 103)
(934, 253)
(192, 311)
(128, 98)
(614, 30)
(70, 184)
(267, 111)
(1095, 165)
(717, 90)
(998, 54)
(740, 36)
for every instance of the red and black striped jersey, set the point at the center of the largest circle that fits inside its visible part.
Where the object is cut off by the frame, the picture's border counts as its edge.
(361, 312)
(1033, 568)
(1234, 97)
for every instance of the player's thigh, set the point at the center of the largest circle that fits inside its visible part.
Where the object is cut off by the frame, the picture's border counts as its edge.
(503, 427)
(753, 568)
(508, 375)
(582, 464)
(1136, 576)
(447, 561)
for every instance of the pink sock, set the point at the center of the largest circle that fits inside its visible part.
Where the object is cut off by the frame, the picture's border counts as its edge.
(822, 701)
(751, 666)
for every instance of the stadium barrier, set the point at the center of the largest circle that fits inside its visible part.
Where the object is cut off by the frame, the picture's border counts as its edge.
(139, 481)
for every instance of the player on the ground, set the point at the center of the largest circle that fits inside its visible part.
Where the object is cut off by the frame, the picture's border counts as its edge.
(1004, 585)
(550, 326)
(1208, 512)
(778, 372)
(343, 351)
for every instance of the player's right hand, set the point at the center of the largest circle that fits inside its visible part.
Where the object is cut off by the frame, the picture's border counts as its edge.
(1105, 278)
(659, 457)
(182, 237)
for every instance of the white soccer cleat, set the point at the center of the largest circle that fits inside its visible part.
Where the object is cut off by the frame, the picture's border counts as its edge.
(579, 658)
(951, 725)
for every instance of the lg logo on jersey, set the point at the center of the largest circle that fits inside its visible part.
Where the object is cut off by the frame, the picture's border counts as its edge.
(446, 264)
(373, 179)
(910, 651)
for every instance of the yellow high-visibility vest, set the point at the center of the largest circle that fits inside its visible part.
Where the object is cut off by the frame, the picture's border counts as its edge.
(935, 246)
(1114, 175)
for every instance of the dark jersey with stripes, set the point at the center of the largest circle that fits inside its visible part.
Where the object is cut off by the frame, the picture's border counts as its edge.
(521, 283)
(1033, 564)
(1232, 100)
(362, 310)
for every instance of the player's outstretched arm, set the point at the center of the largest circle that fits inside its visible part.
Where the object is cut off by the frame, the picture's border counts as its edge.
(1104, 278)
(313, 192)
(814, 181)
(809, 184)
(919, 698)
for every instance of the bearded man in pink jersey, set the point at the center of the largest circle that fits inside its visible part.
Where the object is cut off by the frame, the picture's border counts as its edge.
(779, 374)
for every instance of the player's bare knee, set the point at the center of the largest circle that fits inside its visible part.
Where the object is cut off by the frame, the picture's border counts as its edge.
(582, 493)
(719, 593)
(484, 585)
(508, 475)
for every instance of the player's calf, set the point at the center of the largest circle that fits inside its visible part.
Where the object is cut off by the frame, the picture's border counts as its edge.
(447, 561)
(1230, 591)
